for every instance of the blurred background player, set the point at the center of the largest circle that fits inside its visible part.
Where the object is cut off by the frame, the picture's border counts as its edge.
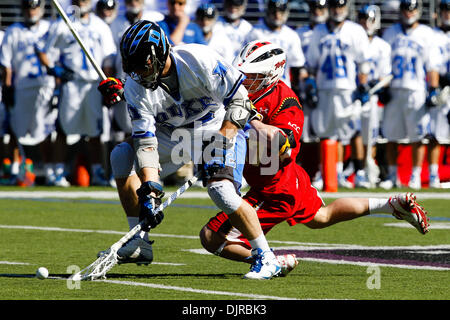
(439, 112)
(3, 124)
(318, 13)
(415, 64)
(29, 88)
(287, 194)
(273, 28)
(106, 10)
(233, 25)
(178, 25)
(80, 105)
(369, 17)
(206, 17)
(335, 49)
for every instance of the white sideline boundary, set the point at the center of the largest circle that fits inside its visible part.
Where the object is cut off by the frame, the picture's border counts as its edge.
(112, 195)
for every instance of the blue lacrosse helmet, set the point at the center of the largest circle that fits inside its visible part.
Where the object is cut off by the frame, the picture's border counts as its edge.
(144, 49)
(410, 5)
(444, 5)
(206, 10)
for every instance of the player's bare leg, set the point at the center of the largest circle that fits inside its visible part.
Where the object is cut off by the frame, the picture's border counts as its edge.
(434, 152)
(418, 154)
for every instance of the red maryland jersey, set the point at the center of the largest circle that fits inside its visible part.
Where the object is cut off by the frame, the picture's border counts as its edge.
(281, 108)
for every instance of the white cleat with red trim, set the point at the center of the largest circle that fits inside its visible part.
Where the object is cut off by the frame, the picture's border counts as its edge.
(406, 208)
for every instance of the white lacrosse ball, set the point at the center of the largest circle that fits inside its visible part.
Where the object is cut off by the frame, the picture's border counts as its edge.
(42, 273)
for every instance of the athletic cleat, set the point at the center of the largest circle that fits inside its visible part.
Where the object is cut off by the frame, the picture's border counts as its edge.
(435, 183)
(318, 181)
(136, 250)
(264, 267)
(343, 182)
(288, 263)
(361, 180)
(98, 179)
(61, 181)
(406, 208)
(415, 183)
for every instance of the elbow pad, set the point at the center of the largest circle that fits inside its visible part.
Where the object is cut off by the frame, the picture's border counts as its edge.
(146, 153)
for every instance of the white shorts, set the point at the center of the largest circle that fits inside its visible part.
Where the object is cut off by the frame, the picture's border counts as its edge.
(80, 108)
(173, 151)
(405, 116)
(440, 129)
(31, 113)
(324, 121)
(370, 124)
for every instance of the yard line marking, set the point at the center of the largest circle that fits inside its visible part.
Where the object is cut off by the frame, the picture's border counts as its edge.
(196, 195)
(369, 264)
(14, 263)
(201, 291)
(91, 231)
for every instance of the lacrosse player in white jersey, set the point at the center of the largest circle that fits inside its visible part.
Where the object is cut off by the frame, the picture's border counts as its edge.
(273, 28)
(28, 83)
(134, 11)
(415, 57)
(336, 47)
(369, 17)
(80, 105)
(206, 18)
(318, 13)
(3, 124)
(192, 89)
(234, 27)
(440, 112)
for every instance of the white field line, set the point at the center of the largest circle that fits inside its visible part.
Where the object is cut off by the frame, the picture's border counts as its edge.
(14, 263)
(194, 195)
(200, 291)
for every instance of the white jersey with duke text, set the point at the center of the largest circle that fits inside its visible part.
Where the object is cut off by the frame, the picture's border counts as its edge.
(287, 39)
(236, 34)
(18, 53)
(335, 55)
(414, 53)
(206, 85)
(380, 58)
(97, 38)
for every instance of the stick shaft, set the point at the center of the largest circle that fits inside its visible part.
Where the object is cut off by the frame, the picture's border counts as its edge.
(78, 39)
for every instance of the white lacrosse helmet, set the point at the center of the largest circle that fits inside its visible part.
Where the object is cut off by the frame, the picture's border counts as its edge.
(264, 59)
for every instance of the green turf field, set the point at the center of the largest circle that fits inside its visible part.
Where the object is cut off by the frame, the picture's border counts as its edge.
(368, 258)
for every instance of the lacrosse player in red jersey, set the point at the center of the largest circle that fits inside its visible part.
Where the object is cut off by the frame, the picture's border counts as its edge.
(286, 194)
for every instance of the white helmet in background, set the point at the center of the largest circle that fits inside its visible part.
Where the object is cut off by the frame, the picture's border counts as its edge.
(265, 60)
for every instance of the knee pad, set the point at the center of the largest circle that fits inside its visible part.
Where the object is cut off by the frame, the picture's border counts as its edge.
(122, 160)
(224, 196)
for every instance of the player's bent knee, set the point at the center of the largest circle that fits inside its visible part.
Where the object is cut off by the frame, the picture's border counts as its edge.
(321, 219)
(122, 160)
(210, 240)
(224, 195)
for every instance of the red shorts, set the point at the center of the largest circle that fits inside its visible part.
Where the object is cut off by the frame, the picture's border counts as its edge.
(299, 206)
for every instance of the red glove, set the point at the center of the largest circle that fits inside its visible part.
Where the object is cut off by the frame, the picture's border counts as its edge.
(111, 90)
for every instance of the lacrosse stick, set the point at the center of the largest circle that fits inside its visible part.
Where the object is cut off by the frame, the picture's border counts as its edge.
(107, 260)
(80, 42)
(355, 109)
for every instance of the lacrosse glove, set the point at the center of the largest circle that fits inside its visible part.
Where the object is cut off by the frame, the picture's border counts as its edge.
(362, 93)
(64, 73)
(311, 98)
(432, 97)
(149, 203)
(111, 90)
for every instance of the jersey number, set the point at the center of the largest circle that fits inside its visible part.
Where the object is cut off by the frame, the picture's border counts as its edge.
(400, 65)
(36, 66)
(335, 67)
